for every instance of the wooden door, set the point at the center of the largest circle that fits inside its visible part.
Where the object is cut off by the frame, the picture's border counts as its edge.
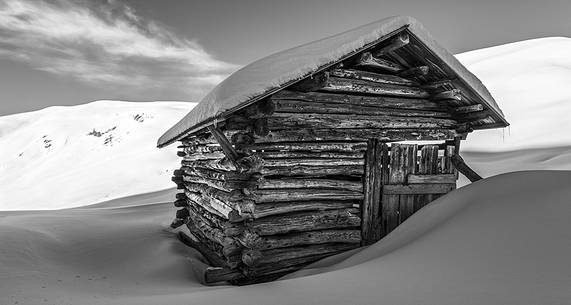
(399, 180)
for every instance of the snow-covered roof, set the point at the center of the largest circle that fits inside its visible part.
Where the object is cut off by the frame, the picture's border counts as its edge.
(272, 73)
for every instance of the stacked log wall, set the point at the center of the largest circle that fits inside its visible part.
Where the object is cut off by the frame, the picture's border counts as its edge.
(265, 212)
(288, 187)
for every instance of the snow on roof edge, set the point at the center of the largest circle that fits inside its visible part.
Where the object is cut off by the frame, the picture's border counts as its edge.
(271, 73)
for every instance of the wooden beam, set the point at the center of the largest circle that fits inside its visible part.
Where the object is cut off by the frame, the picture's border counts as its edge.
(313, 171)
(310, 183)
(369, 101)
(293, 106)
(356, 134)
(372, 77)
(368, 61)
(278, 208)
(397, 42)
(284, 195)
(206, 190)
(211, 232)
(473, 116)
(229, 151)
(223, 164)
(437, 85)
(204, 156)
(433, 179)
(454, 94)
(415, 72)
(370, 208)
(463, 168)
(397, 175)
(468, 109)
(227, 186)
(342, 121)
(317, 147)
(301, 238)
(310, 155)
(396, 57)
(407, 204)
(222, 176)
(303, 221)
(310, 162)
(205, 215)
(426, 188)
(211, 204)
(337, 84)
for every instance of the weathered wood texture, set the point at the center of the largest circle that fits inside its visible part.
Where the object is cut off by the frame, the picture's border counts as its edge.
(281, 208)
(227, 148)
(401, 157)
(372, 77)
(370, 209)
(339, 121)
(308, 172)
(293, 106)
(357, 100)
(302, 221)
(356, 134)
(310, 183)
(398, 42)
(369, 62)
(408, 182)
(254, 241)
(463, 168)
(359, 86)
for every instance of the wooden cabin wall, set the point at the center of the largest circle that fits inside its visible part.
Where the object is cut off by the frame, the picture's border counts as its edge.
(268, 214)
(296, 190)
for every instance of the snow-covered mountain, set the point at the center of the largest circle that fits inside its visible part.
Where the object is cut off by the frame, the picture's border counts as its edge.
(73, 156)
(63, 157)
(530, 81)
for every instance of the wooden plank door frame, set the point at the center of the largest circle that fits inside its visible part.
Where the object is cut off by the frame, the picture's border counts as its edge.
(376, 173)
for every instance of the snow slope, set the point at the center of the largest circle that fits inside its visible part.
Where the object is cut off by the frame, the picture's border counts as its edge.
(530, 82)
(62, 157)
(502, 240)
(488, 164)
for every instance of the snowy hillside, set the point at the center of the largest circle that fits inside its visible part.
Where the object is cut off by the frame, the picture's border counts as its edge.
(72, 156)
(530, 81)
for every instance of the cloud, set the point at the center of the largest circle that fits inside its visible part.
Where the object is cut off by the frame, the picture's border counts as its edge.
(106, 44)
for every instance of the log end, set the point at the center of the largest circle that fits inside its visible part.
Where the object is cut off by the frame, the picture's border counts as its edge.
(177, 223)
(250, 257)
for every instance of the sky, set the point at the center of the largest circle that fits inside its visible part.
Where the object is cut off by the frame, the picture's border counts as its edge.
(69, 52)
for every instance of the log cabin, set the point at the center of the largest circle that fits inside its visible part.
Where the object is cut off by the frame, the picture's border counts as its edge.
(323, 148)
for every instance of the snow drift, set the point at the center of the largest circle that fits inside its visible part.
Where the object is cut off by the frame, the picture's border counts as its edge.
(502, 240)
(529, 80)
(62, 157)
